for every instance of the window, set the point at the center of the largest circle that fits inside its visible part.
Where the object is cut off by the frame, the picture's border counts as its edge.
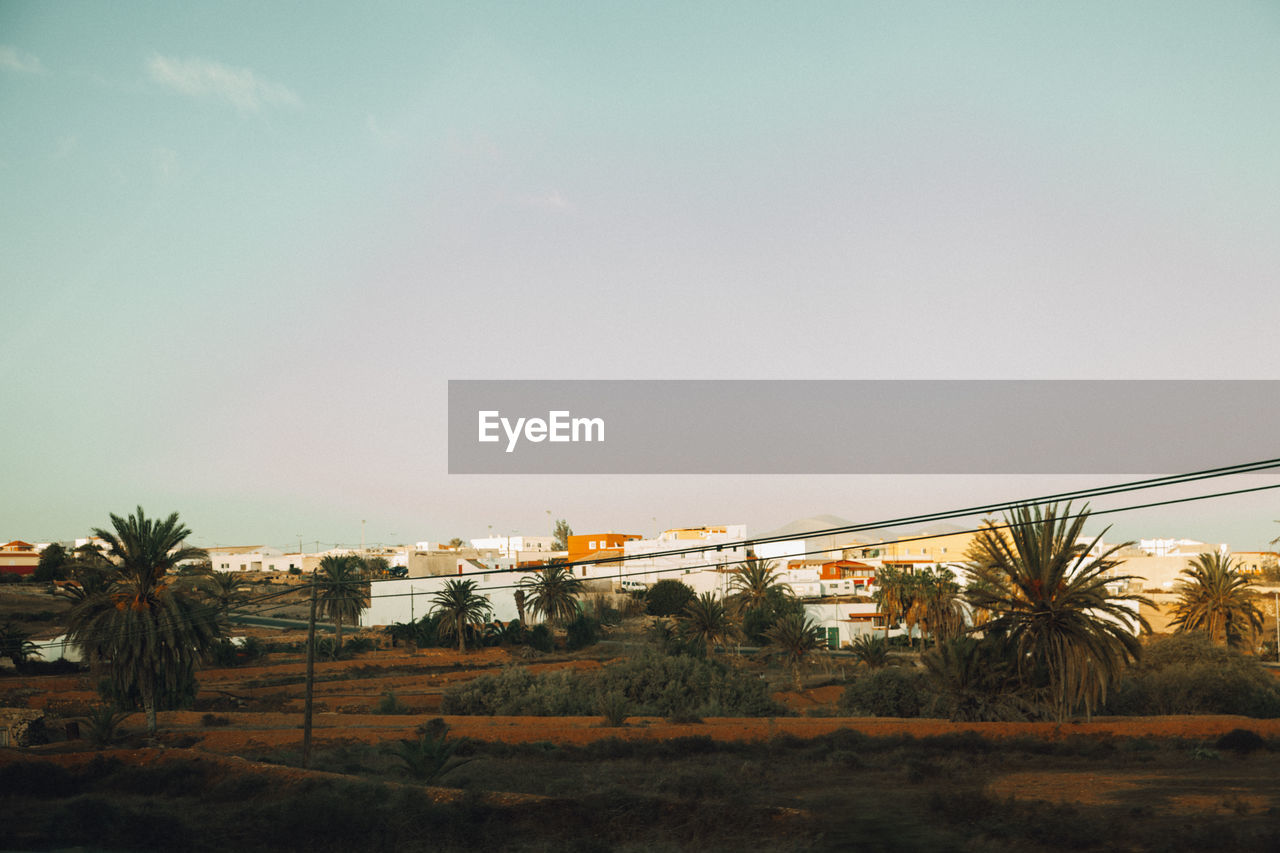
(591, 546)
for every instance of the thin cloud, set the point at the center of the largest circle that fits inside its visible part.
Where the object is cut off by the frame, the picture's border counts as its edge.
(16, 60)
(201, 78)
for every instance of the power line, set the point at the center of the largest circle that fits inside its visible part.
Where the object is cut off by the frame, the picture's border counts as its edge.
(685, 569)
(750, 542)
(745, 544)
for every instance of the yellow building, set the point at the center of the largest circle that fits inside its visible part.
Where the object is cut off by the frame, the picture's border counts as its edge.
(918, 549)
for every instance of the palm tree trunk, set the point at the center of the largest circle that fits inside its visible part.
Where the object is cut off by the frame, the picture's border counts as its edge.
(337, 650)
(148, 687)
(462, 638)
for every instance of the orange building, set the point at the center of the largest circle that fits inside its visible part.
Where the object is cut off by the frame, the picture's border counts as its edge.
(597, 547)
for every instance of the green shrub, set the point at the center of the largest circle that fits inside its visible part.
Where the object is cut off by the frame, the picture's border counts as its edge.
(102, 725)
(661, 685)
(541, 638)
(667, 598)
(224, 653)
(390, 704)
(252, 649)
(1241, 742)
(357, 646)
(1187, 674)
(757, 621)
(652, 685)
(582, 632)
(429, 758)
(615, 707)
(889, 692)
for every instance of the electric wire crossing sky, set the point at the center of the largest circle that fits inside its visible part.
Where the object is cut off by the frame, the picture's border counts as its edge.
(557, 427)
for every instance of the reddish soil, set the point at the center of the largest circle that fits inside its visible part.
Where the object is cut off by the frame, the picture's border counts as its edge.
(264, 714)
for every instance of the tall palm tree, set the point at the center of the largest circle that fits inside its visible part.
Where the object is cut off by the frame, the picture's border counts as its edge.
(1215, 599)
(752, 582)
(1048, 597)
(705, 619)
(342, 590)
(892, 595)
(552, 592)
(151, 634)
(936, 605)
(975, 555)
(914, 614)
(459, 605)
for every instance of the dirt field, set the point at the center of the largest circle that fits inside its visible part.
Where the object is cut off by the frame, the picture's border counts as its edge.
(260, 706)
(247, 723)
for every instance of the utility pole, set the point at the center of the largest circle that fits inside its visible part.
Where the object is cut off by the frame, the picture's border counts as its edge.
(311, 677)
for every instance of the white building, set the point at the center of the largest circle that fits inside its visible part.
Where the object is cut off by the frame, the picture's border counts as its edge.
(517, 547)
(252, 558)
(1177, 547)
(701, 557)
(844, 621)
(409, 599)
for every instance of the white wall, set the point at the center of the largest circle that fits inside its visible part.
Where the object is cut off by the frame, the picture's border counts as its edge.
(527, 547)
(835, 615)
(645, 564)
(409, 599)
(58, 647)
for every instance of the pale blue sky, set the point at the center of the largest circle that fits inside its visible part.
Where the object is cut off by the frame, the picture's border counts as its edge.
(245, 245)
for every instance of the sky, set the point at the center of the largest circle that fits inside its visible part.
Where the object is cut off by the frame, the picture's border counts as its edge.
(245, 246)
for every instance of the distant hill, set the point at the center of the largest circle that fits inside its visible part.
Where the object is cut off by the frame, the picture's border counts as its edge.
(806, 527)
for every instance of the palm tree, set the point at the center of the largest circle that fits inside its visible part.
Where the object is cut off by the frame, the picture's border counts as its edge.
(342, 590)
(936, 605)
(552, 592)
(892, 595)
(1048, 597)
(1215, 599)
(459, 605)
(753, 581)
(977, 680)
(975, 555)
(706, 620)
(398, 631)
(871, 651)
(150, 632)
(223, 589)
(16, 645)
(795, 637)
